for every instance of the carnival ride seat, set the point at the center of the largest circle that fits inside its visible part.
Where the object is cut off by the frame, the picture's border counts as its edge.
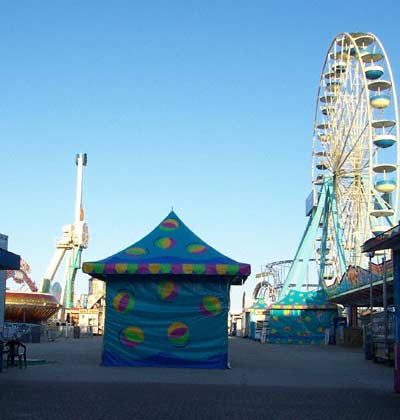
(15, 349)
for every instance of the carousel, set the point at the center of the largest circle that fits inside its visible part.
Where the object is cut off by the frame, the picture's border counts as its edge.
(26, 304)
(30, 307)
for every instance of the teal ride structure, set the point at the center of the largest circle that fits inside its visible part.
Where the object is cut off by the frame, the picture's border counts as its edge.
(355, 157)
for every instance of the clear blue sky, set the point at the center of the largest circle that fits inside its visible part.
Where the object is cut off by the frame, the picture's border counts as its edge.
(206, 106)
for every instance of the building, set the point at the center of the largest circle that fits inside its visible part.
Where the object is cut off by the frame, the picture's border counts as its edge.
(391, 240)
(92, 315)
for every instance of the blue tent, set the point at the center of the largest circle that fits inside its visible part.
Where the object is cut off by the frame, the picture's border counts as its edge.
(301, 318)
(167, 300)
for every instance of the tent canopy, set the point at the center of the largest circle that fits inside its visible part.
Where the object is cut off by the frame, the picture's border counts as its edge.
(304, 300)
(167, 300)
(259, 304)
(301, 318)
(171, 248)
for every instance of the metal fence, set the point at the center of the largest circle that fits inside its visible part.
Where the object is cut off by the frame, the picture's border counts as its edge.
(67, 331)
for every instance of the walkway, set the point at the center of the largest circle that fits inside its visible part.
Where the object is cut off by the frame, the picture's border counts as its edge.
(265, 381)
(251, 364)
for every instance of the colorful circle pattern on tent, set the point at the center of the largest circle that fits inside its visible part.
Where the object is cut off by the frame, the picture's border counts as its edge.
(136, 251)
(124, 301)
(165, 243)
(169, 224)
(178, 334)
(196, 249)
(210, 306)
(132, 336)
(167, 291)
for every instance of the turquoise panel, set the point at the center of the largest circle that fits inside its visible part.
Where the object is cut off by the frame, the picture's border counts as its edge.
(252, 333)
(166, 323)
(384, 143)
(297, 326)
(373, 74)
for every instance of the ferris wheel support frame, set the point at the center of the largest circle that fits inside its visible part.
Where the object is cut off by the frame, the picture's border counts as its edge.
(297, 272)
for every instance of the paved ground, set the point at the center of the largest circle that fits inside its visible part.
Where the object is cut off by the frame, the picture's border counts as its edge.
(265, 381)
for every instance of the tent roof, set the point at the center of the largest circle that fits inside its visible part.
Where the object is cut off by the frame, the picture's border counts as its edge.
(304, 300)
(171, 248)
(259, 304)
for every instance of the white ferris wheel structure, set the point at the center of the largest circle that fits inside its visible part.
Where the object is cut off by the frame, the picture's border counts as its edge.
(355, 159)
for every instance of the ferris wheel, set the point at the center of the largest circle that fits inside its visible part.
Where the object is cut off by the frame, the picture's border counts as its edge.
(355, 161)
(355, 152)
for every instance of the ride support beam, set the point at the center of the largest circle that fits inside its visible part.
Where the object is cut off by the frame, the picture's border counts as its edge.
(74, 264)
(323, 248)
(298, 269)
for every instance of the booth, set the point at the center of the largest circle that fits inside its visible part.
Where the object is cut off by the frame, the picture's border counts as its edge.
(258, 319)
(301, 318)
(167, 300)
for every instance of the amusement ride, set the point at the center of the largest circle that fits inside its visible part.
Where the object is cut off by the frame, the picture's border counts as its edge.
(273, 276)
(27, 304)
(355, 158)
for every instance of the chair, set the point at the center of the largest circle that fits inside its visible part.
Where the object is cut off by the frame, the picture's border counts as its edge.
(21, 354)
(16, 349)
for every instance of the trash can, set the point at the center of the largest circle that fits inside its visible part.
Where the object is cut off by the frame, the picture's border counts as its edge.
(368, 343)
(35, 334)
(77, 331)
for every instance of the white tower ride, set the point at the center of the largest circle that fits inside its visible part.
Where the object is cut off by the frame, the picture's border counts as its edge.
(74, 239)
